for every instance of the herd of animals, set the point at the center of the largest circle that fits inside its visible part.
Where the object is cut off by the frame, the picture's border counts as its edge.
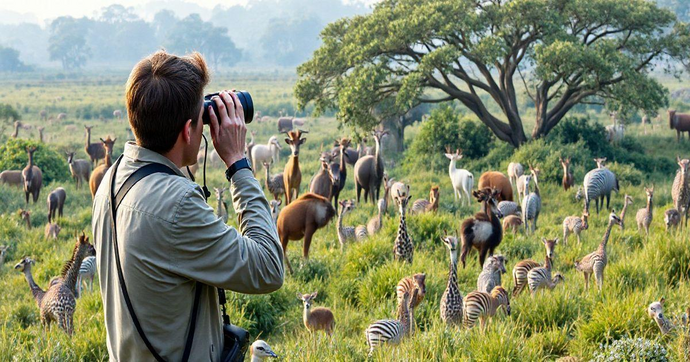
(303, 215)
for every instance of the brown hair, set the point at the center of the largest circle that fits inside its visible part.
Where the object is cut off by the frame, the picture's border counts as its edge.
(162, 93)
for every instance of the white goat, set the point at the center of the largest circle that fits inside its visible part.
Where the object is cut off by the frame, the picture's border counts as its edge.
(616, 131)
(266, 153)
(461, 179)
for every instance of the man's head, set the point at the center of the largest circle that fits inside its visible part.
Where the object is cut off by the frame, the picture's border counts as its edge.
(164, 96)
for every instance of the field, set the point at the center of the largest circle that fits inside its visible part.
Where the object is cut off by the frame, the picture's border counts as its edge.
(359, 283)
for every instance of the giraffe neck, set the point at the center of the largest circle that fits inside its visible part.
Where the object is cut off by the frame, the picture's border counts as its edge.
(625, 208)
(605, 240)
(71, 274)
(453, 272)
(403, 315)
(547, 263)
(340, 221)
(552, 283)
(36, 291)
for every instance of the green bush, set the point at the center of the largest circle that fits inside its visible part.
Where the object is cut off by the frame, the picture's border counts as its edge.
(632, 349)
(476, 139)
(544, 156)
(573, 130)
(626, 174)
(51, 162)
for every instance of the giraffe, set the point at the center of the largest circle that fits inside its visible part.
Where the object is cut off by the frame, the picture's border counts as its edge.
(451, 301)
(403, 249)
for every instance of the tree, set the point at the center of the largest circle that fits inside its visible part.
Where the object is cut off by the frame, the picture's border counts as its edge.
(67, 42)
(9, 60)
(193, 34)
(562, 52)
(289, 42)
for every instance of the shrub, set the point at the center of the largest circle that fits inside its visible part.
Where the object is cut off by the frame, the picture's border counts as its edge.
(440, 130)
(544, 155)
(475, 138)
(49, 160)
(626, 174)
(592, 134)
(629, 349)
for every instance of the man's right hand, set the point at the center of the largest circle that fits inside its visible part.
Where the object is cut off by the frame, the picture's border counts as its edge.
(230, 132)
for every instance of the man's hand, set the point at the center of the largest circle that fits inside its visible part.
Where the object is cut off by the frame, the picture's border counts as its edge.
(229, 133)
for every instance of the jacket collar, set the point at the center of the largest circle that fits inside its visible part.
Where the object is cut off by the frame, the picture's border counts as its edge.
(137, 153)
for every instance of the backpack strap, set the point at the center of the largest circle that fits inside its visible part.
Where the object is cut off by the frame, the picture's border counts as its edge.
(115, 200)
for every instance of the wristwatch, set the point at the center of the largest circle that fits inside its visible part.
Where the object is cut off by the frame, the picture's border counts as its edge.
(243, 163)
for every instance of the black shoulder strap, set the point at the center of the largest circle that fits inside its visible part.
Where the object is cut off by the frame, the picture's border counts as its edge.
(115, 200)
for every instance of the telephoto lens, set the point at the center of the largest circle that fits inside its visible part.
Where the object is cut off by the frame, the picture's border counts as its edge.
(244, 97)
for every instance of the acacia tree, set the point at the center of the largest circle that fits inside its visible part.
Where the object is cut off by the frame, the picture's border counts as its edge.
(560, 53)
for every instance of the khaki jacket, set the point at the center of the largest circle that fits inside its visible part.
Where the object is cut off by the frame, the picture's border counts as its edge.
(169, 238)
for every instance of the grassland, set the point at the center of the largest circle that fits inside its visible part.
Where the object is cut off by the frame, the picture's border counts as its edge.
(359, 284)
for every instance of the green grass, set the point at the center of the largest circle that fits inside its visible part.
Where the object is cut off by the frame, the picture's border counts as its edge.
(358, 284)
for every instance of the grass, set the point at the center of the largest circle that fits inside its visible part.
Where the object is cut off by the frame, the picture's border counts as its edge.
(358, 284)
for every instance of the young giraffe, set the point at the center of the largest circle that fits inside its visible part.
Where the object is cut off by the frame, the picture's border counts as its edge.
(540, 277)
(595, 262)
(451, 301)
(627, 201)
(403, 249)
(345, 233)
(521, 269)
(644, 216)
(58, 302)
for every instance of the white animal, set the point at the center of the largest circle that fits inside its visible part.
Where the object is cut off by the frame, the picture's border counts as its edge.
(616, 131)
(267, 152)
(462, 180)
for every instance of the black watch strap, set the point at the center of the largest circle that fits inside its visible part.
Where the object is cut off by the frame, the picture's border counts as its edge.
(243, 163)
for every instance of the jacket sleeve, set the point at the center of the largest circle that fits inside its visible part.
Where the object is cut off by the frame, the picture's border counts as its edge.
(204, 248)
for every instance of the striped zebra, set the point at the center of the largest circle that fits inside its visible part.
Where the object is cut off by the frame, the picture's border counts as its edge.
(482, 305)
(522, 268)
(575, 225)
(595, 262)
(361, 233)
(578, 194)
(392, 331)
(598, 185)
(490, 276)
(680, 191)
(408, 285)
(509, 208)
(531, 206)
(540, 277)
(86, 273)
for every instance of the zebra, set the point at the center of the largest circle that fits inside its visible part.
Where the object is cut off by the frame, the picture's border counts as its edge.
(409, 284)
(86, 273)
(490, 276)
(578, 194)
(482, 305)
(595, 262)
(598, 184)
(392, 331)
(345, 233)
(509, 208)
(531, 205)
(361, 233)
(541, 277)
(522, 268)
(681, 189)
(575, 225)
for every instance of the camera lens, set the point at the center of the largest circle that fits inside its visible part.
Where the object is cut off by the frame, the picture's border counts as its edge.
(245, 99)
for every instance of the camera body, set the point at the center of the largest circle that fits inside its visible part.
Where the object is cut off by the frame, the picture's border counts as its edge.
(245, 99)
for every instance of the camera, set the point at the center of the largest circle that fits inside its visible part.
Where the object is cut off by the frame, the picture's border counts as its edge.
(244, 97)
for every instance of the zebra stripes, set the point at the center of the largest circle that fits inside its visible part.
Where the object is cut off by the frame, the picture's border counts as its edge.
(520, 271)
(574, 225)
(361, 233)
(87, 271)
(409, 285)
(531, 206)
(598, 185)
(393, 331)
(509, 208)
(481, 305)
(595, 262)
(490, 276)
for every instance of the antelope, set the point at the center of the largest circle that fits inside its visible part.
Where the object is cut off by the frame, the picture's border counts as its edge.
(12, 178)
(515, 170)
(671, 219)
(656, 312)
(680, 192)
(33, 177)
(96, 151)
(644, 216)
(512, 223)
(274, 183)
(568, 180)
(275, 209)
(499, 181)
(374, 224)
(51, 231)
(99, 172)
(627, 201)
(369, 171)
(56, 202)
(221, 206)
(292, 176)
(483, 231)
(462, 180)
(25, 215)
(323, 182)
(40, 133)
(422, 205)
(80, 169)
(680, 122)
(316, 319)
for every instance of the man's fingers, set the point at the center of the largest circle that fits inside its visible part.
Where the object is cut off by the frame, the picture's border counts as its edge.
(222, 109)
(238, 108)
(214, 122)
(230, 102)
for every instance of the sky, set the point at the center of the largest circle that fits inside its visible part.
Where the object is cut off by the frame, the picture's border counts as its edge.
(39, 11)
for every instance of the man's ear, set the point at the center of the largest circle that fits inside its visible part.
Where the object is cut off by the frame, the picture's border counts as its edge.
(187, 131)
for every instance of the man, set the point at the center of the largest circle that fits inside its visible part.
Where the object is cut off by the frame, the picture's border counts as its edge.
(168, 236)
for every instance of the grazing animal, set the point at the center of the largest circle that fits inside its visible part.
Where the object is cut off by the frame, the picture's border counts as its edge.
(568, 179)
(515, 170)
(25, 215)
(387, 185)
(248, 149)
(301, 219)
(375, 223)
(616, 131)
(58, 302)
(342, 171)
(579, 194)
(598, 185)
(531, 206)
(56, 202)
(345, 233)
(351, 155)
(521, 269)
(680, 122)
(12, 178)
(595, 262)
(462, 180)
(316, 319)
(415, 283)
(274, 183)
(671, 219)
(80, 169)
(399, 191)
(33, 177)
(51, 231)
(117, 114)
(61, 116)
(403, 248)
(575, 225)
(680, 191)
(99, 172)
(540, 277)
(421, 206)
(494, 266)
(644, 216)
(292, 176)
(17, 125)
(322, 183)
(627, 201)
(260, 350)
(451, 300)
(369, 171)
(266, 153)
(221, 206)
(509, 208)
(522, 180)
(44, 115)
(96, 151)
(40, 133)
(87, 271)
(483, 231)
(512, 223)
(3, 254)
(286, 124)
(656, 312)
(499, 181)
(275, 209)
(482, 305)
(393, 331)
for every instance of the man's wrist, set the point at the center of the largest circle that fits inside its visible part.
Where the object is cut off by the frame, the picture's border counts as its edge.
(236, 166)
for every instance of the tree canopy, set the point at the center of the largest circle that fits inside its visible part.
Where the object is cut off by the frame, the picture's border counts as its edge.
(193, 34)
(10, 62)
(561, 53)
(67, 42)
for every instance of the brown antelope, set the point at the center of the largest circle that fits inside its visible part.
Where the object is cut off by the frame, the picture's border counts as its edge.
(369, 171)
(33, 177)
(499, 181)
(56, 202)
(80, 169)
(292, 176)
(483, 231)
(99, 172)
(568, 180)
(96, 151)
(323, 182)
(316, 319)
